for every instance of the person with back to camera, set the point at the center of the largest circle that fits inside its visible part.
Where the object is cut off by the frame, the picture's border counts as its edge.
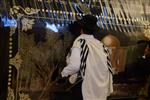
(89, 58)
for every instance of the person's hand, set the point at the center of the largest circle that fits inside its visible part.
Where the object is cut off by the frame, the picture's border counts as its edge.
(63, 74)
(73, 78)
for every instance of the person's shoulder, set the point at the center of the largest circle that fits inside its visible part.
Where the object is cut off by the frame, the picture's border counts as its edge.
(98, 41)
(76, 42)
(78, 39)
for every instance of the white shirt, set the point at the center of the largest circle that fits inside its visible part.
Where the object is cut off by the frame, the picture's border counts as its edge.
(73, 63)
(97, 83)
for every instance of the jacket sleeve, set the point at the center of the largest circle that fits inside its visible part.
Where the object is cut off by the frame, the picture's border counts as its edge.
(73, 64)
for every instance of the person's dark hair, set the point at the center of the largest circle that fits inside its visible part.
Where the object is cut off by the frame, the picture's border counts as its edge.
(75, 28)
(88, 24)
(88, 31)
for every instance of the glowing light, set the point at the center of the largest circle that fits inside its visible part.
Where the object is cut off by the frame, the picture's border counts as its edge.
(51, 27)
(58, 25)
(9, 22)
